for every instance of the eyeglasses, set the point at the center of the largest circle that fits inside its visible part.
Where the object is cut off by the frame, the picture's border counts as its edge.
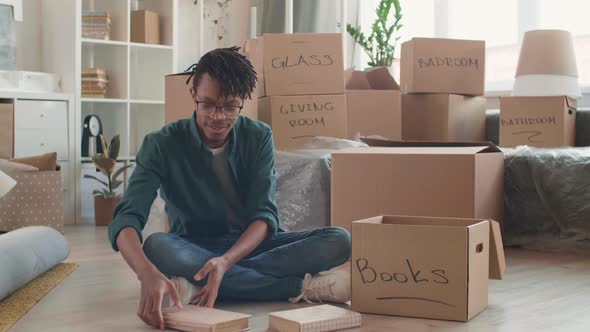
(209, 109)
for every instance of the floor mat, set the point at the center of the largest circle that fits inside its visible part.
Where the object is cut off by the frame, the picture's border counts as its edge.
(17, 304)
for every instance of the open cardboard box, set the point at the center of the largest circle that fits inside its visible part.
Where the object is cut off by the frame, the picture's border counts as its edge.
(36, 200)
(424, 266)
(373, 103)
(461, 180)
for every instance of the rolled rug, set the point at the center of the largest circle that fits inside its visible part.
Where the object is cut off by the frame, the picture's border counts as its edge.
(28, 252)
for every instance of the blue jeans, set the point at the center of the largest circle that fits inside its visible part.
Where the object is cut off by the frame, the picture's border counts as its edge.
(273, 271)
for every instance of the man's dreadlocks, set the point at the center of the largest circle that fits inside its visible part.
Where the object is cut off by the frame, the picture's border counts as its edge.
(232, 70)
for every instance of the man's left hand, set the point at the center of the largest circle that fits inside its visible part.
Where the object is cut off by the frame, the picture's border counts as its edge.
(215, 269)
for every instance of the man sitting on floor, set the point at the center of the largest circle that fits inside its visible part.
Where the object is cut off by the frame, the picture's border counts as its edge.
(216, 174)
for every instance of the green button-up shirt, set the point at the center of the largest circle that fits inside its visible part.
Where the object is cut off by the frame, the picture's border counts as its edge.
(176, 161)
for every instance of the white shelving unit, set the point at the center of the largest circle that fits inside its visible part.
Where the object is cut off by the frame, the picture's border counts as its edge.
(44, 123)
(134, 103)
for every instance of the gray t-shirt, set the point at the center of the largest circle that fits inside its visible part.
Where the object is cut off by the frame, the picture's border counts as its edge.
(228, 186)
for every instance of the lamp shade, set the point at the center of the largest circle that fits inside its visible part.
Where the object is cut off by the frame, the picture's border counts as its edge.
(547, 65)
(6, 184)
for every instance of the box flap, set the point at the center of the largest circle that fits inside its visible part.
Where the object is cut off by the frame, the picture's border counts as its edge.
(420, 150)
(356, 80)
(179, 74)
(497, 259)
(373, 79)
(571, 103)
(485, 146)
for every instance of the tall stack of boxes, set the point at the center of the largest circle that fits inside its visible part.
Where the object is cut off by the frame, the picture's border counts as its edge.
(301, 86)
(426, 213)
(441, 80)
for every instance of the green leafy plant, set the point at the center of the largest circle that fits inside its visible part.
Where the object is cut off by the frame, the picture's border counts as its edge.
(105, 162)
(379, 45)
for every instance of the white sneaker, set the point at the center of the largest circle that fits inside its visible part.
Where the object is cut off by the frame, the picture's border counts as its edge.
(330, 286)
(186, 290)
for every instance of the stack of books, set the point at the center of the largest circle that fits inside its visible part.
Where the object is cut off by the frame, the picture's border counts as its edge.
(94, 82)
(96, 25)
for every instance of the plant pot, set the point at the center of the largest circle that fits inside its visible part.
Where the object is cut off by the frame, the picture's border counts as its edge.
(103, 209)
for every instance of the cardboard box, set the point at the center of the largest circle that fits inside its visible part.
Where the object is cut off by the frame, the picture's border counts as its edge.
(251, 108)
(36, 200)
(538, 121)
(6, 130)
(373, 103)
(253, 52)
(436, 65)
(295, 119)
(178, 101)
(460, 180)
(145, 27)
(443, 117)
(298, 64)
(424, 267)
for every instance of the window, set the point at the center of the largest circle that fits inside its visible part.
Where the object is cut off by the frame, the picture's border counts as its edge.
(492, 21)
(418, 21)
(501, 23)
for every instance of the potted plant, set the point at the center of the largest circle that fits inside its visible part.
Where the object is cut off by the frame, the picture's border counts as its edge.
(381, 43)
(106, 199)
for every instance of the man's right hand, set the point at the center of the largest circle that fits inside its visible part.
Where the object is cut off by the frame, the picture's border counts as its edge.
(154, 286)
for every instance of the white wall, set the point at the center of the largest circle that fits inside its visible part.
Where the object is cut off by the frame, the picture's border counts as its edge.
(188, 33)
(236, 25)
(28, 37)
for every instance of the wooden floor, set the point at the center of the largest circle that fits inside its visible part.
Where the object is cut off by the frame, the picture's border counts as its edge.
(541, 292)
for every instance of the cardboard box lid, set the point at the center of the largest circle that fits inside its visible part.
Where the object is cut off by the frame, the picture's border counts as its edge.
(178, 74)
(570, 102)
(444, 39)
(497, 261)
(483, 146)
(374, 79)
(449, 151)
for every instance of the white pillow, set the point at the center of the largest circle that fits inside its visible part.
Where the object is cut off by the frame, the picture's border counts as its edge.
(8, 166)
(28, 252)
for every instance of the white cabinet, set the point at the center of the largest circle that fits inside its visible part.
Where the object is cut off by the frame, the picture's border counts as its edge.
(45, 114)
(41, 126)
(32, 142)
